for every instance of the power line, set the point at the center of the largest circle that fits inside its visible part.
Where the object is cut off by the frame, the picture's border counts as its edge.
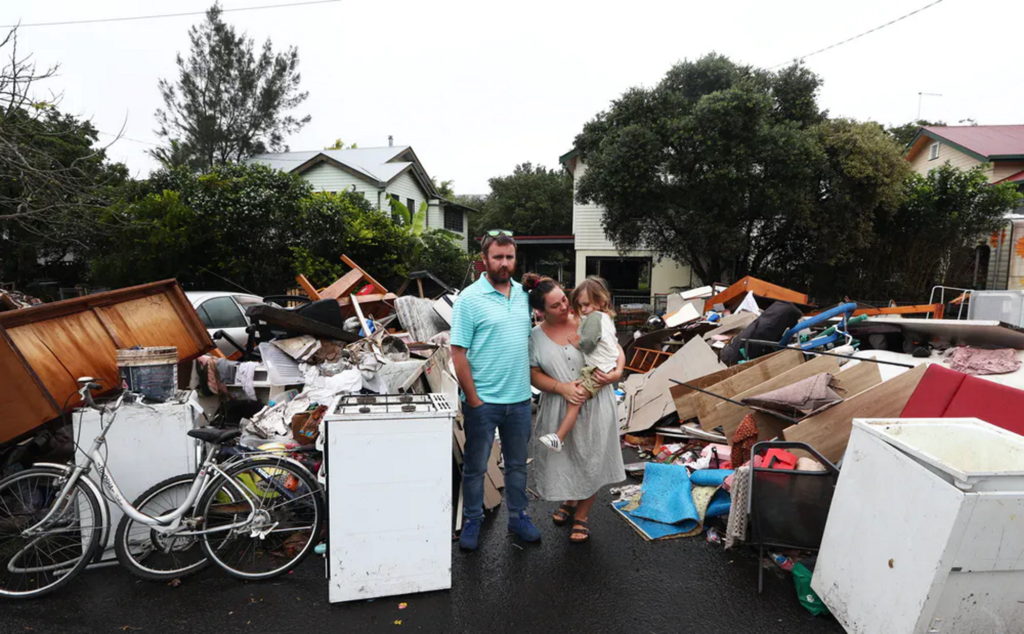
(860, 35)
(166, 15)
(121, 137)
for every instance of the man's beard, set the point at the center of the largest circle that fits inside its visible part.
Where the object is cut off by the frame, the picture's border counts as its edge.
(501, 274)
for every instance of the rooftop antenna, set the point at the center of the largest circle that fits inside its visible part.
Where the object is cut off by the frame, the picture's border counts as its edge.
(921, 95)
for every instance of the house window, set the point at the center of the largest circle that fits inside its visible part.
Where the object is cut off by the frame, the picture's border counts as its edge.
(410, 204)
(629, 277)
(933, 151)
(394, 210)
(453, 220)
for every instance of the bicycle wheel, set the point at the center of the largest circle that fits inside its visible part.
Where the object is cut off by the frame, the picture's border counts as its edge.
(161, 555)
(33, 565)
(287, 512)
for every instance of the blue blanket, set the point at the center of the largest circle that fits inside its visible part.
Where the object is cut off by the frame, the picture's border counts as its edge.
(667, 497)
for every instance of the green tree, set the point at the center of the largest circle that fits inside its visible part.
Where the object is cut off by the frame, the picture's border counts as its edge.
(54, 181)
(713, 166)
(340, 145)
(532, 200)
(904, 134)
(931, 239)
(829, 249)
(228, 102)
(237, 222)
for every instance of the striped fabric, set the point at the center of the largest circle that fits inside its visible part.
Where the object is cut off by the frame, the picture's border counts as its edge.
(495, 331)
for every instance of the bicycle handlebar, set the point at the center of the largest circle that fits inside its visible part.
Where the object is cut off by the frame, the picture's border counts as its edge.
(86, 393)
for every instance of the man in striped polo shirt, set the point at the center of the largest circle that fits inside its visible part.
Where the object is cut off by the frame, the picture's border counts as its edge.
(490, 349)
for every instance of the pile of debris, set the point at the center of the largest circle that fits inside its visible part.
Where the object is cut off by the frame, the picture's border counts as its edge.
(352, 337)
(13, 300)
(742, 408)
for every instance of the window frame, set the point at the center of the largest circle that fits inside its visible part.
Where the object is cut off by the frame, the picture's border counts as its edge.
(450, 226)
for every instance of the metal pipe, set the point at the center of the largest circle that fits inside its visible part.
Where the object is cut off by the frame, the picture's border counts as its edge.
(828, 354)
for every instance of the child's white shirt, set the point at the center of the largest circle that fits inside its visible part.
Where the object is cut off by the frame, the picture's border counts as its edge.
(605, 354)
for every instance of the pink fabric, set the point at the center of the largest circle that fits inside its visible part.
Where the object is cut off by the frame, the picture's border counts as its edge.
(970, 360)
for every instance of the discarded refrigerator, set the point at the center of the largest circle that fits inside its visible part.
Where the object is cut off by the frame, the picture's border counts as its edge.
(926, 530)
(146, 444)
(389, 483)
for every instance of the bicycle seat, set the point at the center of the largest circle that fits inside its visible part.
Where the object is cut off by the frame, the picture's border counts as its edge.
(215, 436)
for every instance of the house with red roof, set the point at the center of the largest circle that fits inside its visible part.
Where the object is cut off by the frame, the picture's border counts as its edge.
(1000, 149)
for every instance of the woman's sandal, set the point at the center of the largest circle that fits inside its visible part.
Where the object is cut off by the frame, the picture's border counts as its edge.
(563, 514)
(579, 527)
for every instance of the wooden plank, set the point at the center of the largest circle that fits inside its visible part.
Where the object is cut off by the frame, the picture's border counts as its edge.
(850, 381)
(758, 287)
(729, 415)
(307, 287)
(62, 350)
(685, 398)
(343, 286)
(154, 321)
(829, 431)
(936, 310)
(110, 328)
(373, 305)
(778, 363)
(369, 278)
(855, 380)
(24, 401)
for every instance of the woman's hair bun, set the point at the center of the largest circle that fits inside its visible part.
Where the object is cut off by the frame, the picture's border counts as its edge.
(530, 281)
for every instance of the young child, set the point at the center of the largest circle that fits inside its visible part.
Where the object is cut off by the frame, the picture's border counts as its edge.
(591, 301)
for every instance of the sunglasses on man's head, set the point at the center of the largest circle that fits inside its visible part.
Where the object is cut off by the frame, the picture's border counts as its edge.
(494, 233)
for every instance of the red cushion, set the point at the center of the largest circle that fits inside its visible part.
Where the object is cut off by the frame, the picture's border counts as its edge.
(783, 459)
(933, 393)
(998, 404)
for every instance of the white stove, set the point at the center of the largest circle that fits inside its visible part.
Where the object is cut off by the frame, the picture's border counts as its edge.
(388, 462)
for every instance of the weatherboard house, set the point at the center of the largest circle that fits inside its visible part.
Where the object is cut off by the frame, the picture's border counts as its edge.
(1000, 150)
(634, 276)
(380, 174)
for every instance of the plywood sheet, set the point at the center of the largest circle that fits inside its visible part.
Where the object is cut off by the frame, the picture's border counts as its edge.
(652, 400)
(730, 415)
(685, 398)
(23, 399)
(776, 364)
(855, 380)
(829, 431)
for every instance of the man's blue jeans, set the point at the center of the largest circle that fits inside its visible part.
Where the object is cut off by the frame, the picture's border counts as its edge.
(513, 425)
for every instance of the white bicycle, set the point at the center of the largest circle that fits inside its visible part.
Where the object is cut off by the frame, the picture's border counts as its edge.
(256, 516)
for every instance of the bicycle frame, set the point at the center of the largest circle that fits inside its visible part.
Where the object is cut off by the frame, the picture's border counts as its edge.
(167, 522)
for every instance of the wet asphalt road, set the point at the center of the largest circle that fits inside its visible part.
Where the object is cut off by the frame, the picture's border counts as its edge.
(615, 583)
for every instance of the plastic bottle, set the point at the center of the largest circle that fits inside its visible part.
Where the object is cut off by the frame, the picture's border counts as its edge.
(782, 561)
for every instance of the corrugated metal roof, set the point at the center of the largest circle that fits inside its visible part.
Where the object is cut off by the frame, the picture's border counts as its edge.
(374, 162)
(986, 140)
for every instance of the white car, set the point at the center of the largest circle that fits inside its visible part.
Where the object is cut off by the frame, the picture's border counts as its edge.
(225, 311)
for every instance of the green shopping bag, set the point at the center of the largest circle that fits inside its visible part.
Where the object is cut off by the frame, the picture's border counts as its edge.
(808, 598)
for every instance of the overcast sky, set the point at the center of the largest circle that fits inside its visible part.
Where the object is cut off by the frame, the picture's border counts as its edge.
(477, 87)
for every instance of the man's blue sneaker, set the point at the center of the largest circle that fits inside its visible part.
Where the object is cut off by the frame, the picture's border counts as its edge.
(469, 538)
(523, 528)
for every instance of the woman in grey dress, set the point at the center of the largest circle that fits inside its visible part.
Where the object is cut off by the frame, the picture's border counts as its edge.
(591, 457)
